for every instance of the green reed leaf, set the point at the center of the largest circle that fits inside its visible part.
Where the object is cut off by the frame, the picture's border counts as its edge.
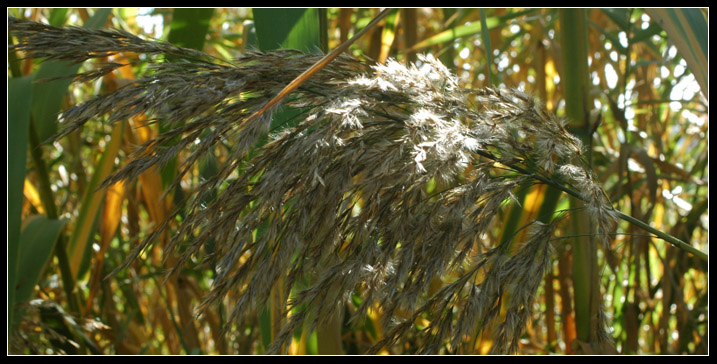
(18, 116)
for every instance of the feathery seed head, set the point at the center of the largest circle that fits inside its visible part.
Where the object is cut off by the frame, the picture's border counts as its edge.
(342, 197)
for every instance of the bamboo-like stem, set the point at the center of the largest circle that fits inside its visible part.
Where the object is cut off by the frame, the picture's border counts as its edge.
(574, 72)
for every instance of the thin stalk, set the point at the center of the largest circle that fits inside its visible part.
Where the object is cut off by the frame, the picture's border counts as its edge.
(660, 234)
(623, 216)
(410, 24)
(488, 49)
(511, 222)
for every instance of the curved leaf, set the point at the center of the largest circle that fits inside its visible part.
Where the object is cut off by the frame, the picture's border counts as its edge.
(293, 28)
(189, 27)
(689, 32)
(473, 28)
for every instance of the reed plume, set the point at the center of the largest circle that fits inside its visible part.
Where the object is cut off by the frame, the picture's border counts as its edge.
(343, 199)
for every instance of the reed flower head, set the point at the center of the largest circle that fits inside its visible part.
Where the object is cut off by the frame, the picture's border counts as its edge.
(342, 199)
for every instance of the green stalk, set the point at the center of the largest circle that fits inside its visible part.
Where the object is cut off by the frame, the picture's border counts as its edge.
(551, 197)
(575, 75)
(662, 235)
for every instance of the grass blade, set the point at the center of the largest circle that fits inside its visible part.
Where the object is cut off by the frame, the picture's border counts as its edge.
(473, 28)
(58, 16)
(485, 36)
(287, 29)
(456, 33)
(91, 202)
(37, 243)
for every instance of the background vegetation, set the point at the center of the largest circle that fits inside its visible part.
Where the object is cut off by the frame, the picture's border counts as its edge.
(632, 81)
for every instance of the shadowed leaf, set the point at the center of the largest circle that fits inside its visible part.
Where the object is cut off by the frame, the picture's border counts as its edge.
(36, 245)
(18, 119)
